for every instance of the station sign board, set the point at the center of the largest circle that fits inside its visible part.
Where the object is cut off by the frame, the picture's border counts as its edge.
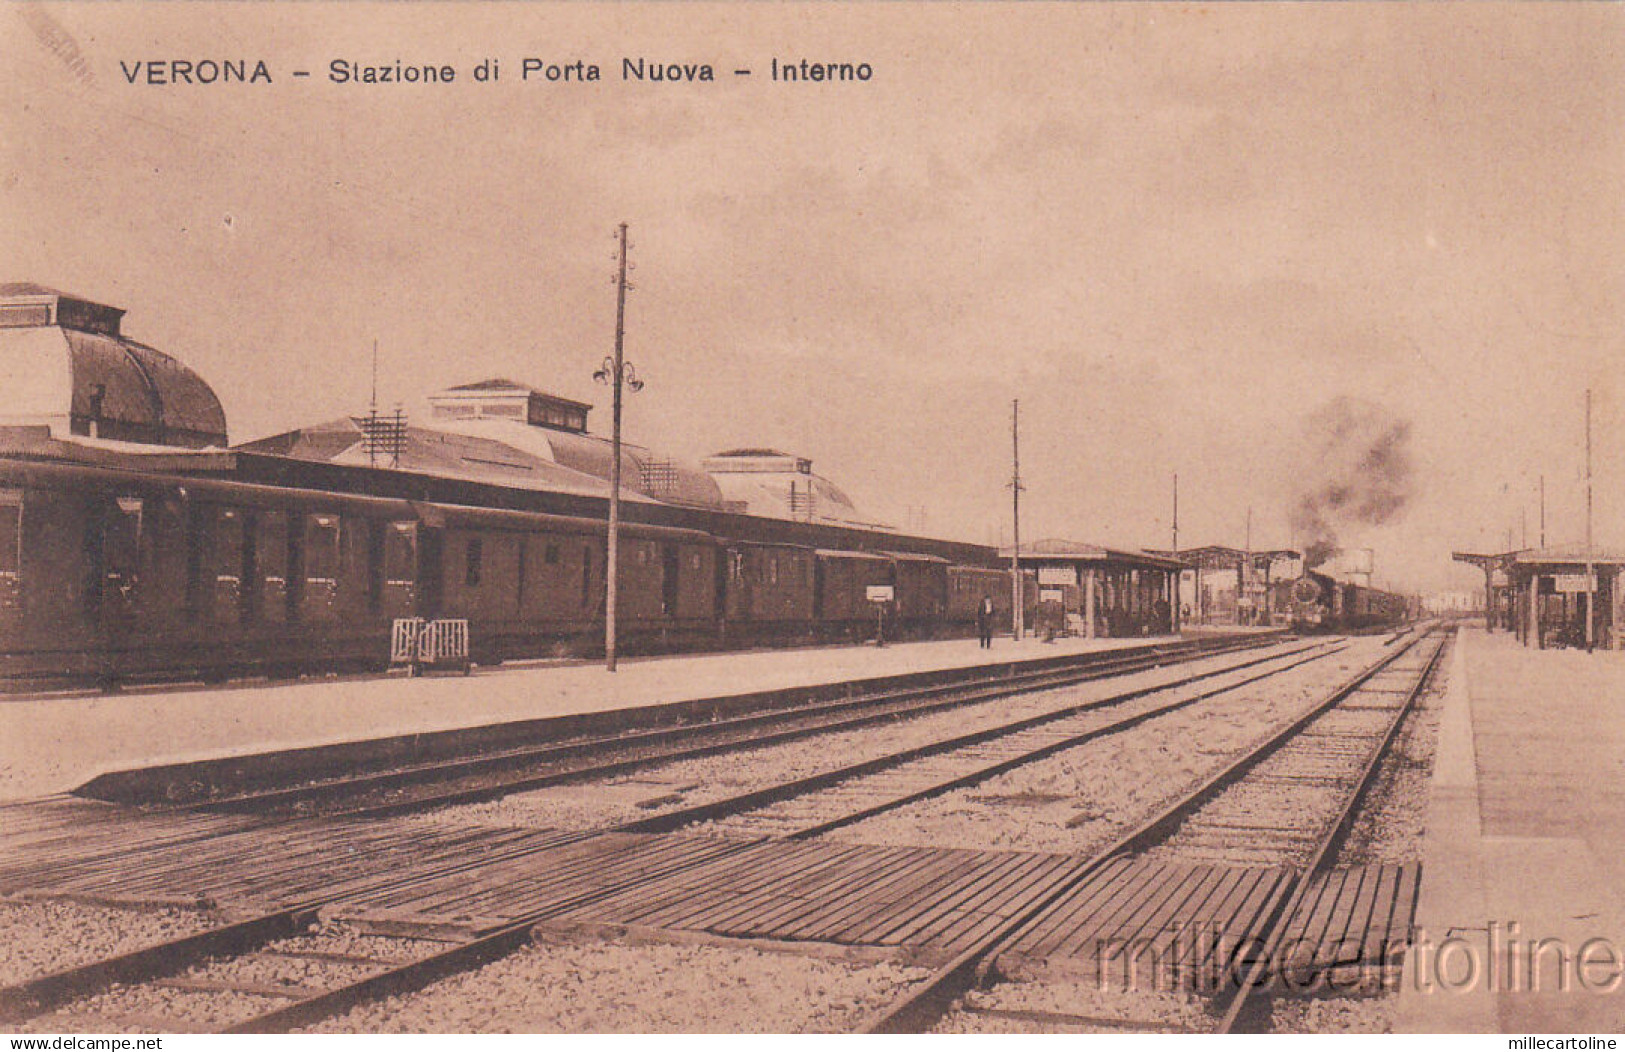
(1058, 575)
(1573, 582)
(880, 593)
(1498, 579)
(1051, 595)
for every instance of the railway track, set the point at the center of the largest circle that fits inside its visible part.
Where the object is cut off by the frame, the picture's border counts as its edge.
(492, 774)
(291, 968)
(1314, 748)
(91, 836)
(194, 827)
(832, 799)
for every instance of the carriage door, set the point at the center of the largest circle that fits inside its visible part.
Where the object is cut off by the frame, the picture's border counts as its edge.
(431, 572)
(670, 570)
(400, 569)
(112, 545)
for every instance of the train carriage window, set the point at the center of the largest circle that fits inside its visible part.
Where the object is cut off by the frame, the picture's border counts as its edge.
(227, 554)
(586, 576)
(112, 544)
(670, 580)
(551, 555)
(322, 548)
(11, 552)
(11, 521)
(400, 553)
(519, 573)
(273, 551)
(377, 533)
(473, 560)
(123, 547)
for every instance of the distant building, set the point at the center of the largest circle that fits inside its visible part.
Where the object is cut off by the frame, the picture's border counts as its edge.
(779, 485)
(502, 432)
(66, 367)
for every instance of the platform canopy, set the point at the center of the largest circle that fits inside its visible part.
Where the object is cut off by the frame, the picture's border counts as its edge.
(1485, 561)
(1054, 550)
(1218, 557)
(1567, 556)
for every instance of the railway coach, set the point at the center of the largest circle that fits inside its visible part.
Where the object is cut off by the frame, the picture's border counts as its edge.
(110, 574)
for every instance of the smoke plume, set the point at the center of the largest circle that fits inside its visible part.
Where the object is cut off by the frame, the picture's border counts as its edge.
(1355, 470)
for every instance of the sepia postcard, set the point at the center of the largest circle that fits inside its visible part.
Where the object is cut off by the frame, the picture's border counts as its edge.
(825, 518)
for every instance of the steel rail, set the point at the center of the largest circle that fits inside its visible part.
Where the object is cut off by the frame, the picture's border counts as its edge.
(515, 934)
(902, 702)
(34, 996)
(922, 1007)
(1241, 996)
(960, 695)
(671, 820)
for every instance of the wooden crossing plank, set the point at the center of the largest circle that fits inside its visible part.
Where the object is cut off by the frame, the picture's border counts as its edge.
(859, 910)
(1043, 936)
(783, 877)
(779, 900)
(1350, 942)
(918, 916)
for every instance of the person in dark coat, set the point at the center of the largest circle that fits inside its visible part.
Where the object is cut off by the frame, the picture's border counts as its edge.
(984, 621)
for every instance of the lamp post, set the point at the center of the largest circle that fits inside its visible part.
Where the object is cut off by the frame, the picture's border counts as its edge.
(617, 372)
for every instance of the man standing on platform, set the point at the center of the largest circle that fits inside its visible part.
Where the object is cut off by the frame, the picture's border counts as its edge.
(984, 622)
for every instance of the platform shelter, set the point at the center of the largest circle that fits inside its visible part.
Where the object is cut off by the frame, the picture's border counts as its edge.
(1569, 596)
(1229, 586)
(1499, 608)
(1095, 591)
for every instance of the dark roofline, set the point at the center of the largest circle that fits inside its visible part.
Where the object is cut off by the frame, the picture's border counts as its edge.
(20, 289)
(498, 383)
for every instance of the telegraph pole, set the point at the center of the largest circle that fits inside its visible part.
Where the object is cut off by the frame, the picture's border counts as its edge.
(1176, 576)
(1591, 567)
(1543, 511)
(1017, 614)
(617, 372)
(372, 410)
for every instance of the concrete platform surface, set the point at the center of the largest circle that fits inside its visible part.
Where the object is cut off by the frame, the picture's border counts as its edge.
(1522, 908)
(54, 744)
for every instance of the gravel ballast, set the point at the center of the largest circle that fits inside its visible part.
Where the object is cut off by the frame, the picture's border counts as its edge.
(685, 783)
(38, 937)
(1077, 800)
(611, 987)
(1074, 1008)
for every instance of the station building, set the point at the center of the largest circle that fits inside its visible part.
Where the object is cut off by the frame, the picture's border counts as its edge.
(69, 372)
(506, 433)
(770, 484)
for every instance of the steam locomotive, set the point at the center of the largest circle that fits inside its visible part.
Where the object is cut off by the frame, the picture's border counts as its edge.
(1318, 603)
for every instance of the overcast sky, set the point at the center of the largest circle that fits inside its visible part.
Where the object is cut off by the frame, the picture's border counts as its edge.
(1174, 233)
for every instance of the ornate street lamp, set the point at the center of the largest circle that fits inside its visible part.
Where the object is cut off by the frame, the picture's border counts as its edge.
(617, 372)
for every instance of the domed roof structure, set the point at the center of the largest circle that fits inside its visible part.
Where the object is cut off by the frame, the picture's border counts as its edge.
(65, 365)
(512, 434)
(779, 485)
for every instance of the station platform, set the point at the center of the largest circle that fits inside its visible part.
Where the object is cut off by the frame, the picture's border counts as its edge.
(1521, 914)
(57, 743)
